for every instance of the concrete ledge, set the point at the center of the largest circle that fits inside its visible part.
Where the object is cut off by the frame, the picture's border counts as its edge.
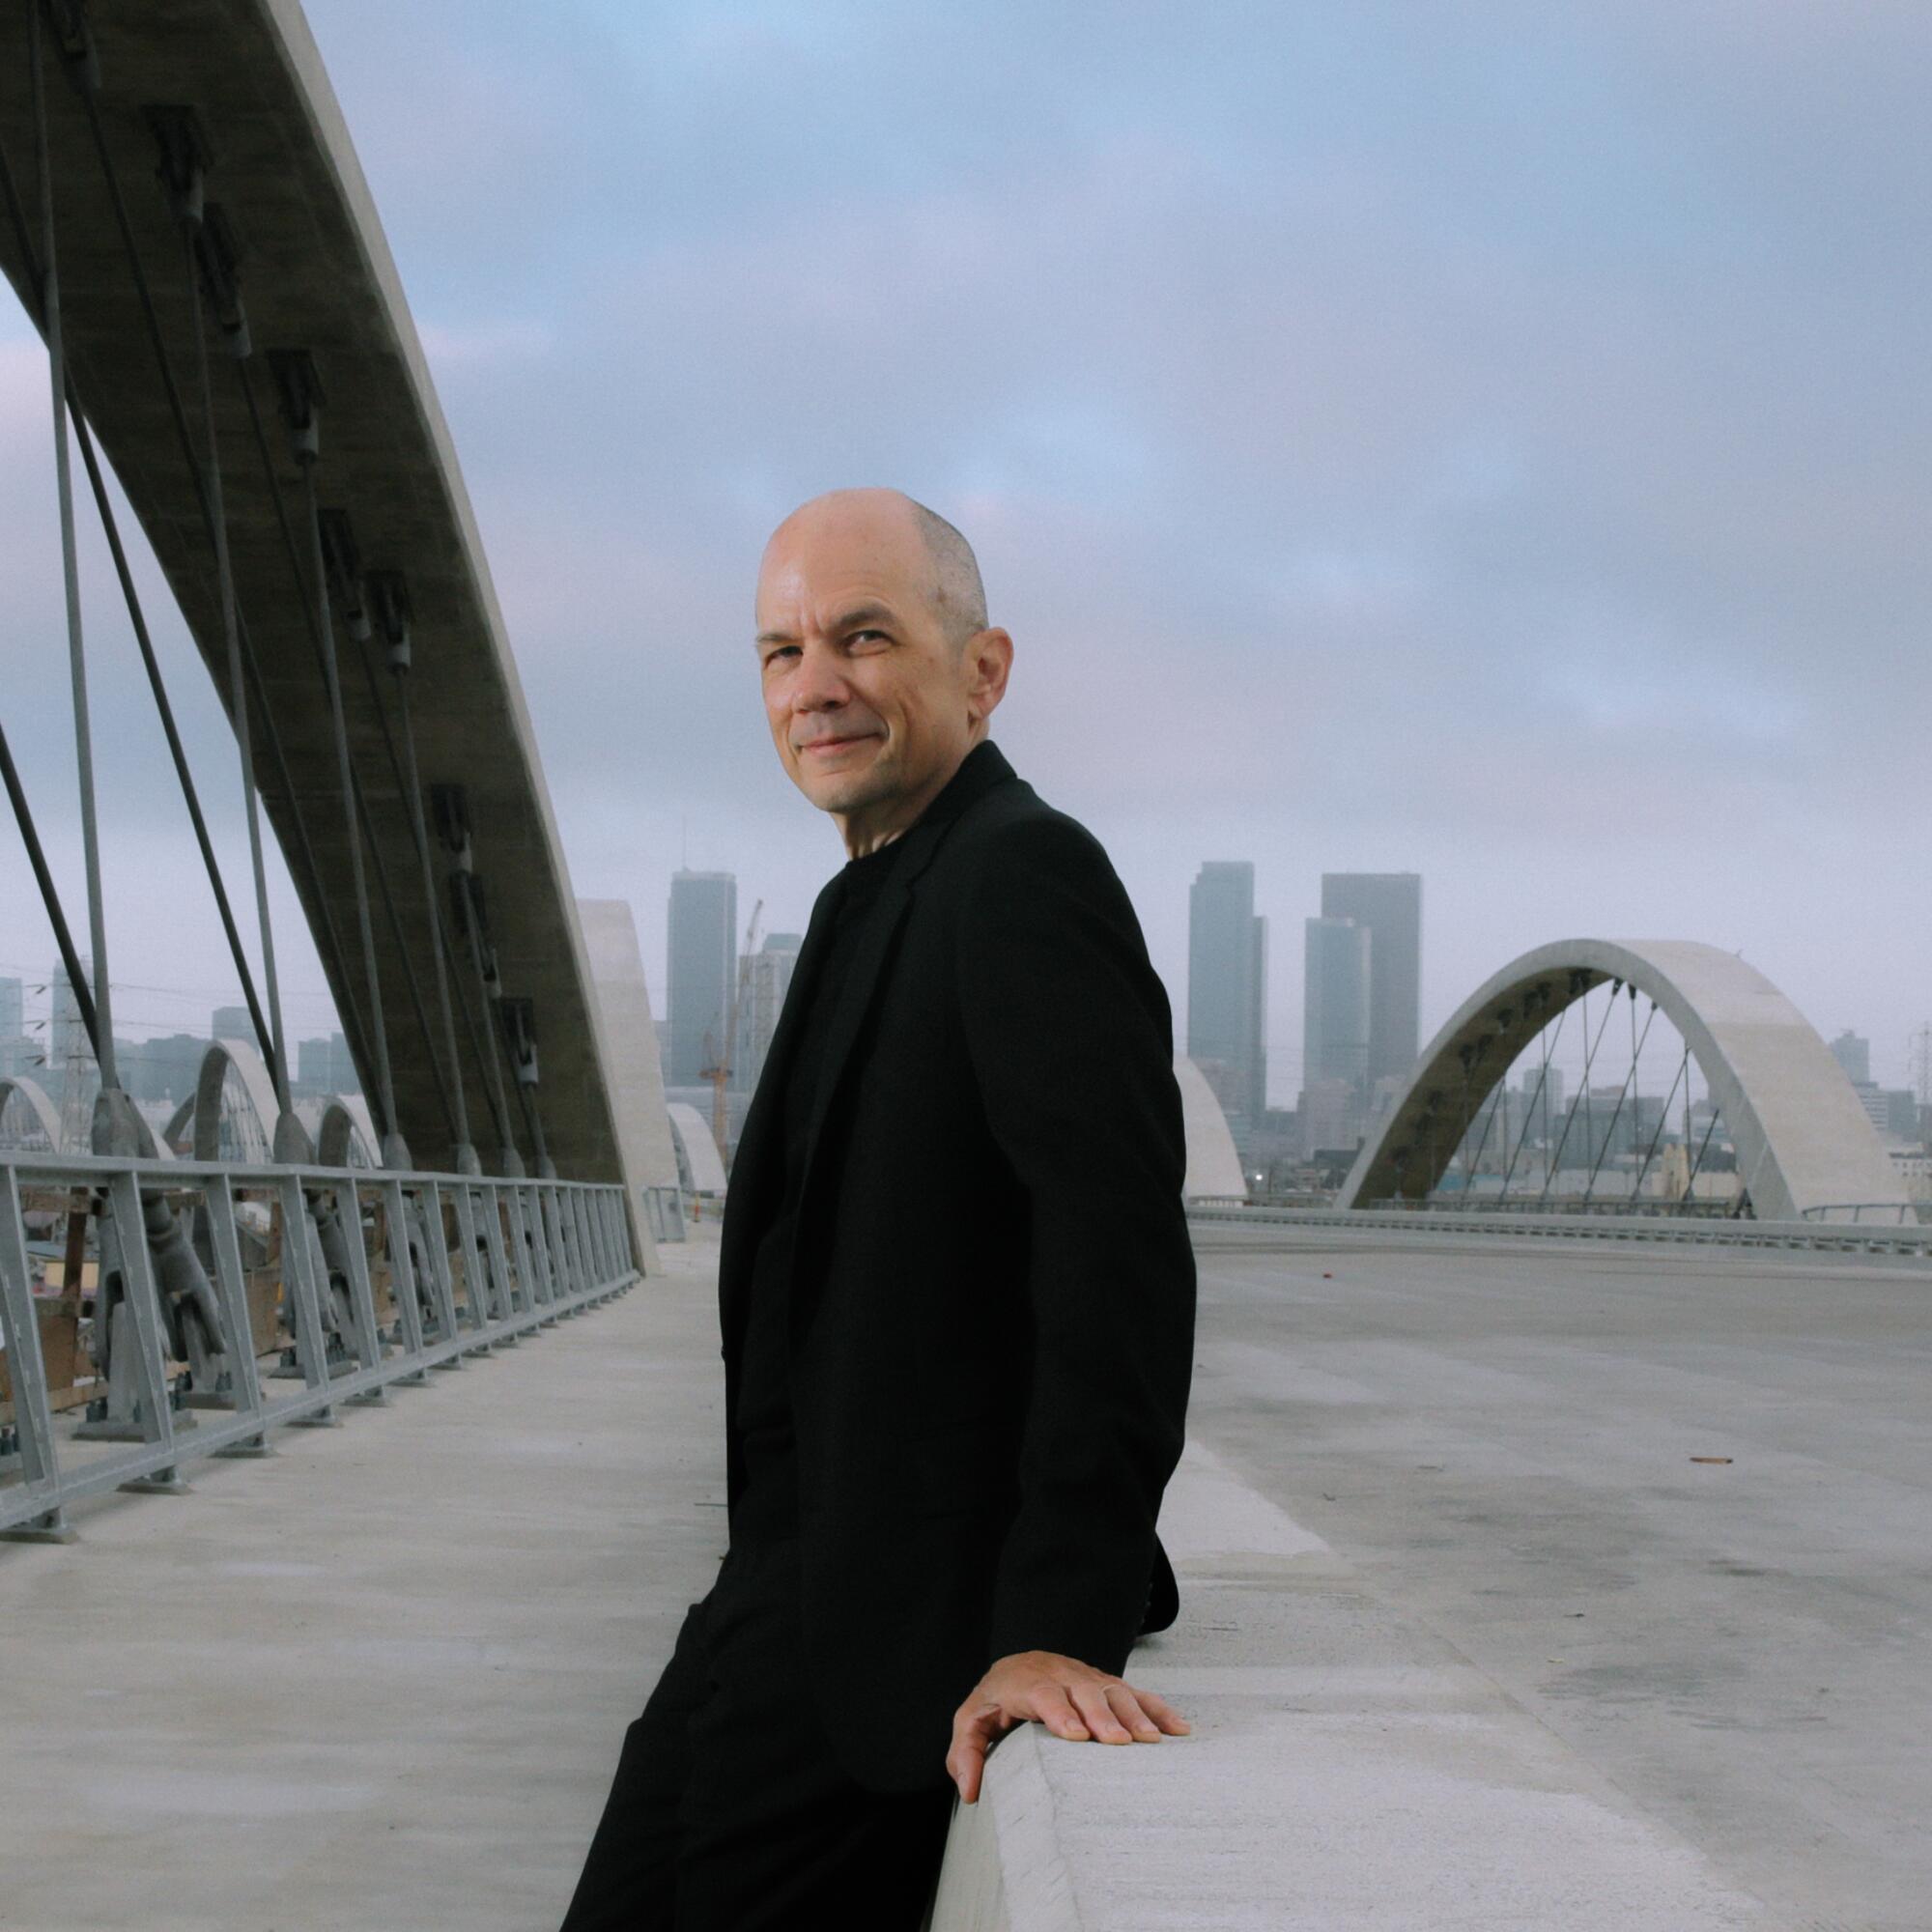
(1347, 1769)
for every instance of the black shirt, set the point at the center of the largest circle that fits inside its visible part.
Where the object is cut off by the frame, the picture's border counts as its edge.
(768, 1509)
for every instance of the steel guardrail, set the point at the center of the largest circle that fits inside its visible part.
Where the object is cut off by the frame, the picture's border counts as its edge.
(526, 1252)
(1827, 1237)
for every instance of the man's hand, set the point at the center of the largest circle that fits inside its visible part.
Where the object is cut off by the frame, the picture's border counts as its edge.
(1072, 1699)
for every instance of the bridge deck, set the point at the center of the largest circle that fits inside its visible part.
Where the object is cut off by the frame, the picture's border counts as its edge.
(382, 1680)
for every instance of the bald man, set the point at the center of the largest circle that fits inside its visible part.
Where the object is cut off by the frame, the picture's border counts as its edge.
(956, 1291)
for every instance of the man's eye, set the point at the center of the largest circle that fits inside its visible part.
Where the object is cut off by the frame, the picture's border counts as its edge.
(860, 637)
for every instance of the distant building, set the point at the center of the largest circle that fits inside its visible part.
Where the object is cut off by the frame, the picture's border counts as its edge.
(19, 1052)
(1227, 990)
(233, 1023)
(1338, 971)
(1853, 1052)
(766, 974)
(67, 1035)
(703, 971)
(160, 1070)
(1388, 905)
(1543, 1093)
(325, 1066)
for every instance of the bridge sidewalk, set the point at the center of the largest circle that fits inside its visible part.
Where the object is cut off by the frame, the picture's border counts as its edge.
(377, 1682)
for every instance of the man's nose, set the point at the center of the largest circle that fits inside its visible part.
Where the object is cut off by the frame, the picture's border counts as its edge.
(820, 684)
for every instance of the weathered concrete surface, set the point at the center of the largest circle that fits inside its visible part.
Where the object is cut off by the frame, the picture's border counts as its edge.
(377, 1683)
(381, 1679)
(1347, 1767)
(1498, 1436)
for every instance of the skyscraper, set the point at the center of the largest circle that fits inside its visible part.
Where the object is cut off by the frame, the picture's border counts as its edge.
(231, 1023)
(767, 976)
(1389, 906)
(703, 971)
(1227, 988)
(1852, 1051)
(1339, 963)
(13, 1009)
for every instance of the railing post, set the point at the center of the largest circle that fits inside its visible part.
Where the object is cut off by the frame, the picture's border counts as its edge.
(33, 1414)
(231, 1286)
(500, 1267)
(300, 1288)
(142, 1298)
(402, 1278)
(360, 1290)
(436, 1251)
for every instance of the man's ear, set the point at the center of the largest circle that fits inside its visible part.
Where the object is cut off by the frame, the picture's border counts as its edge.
(989, 656)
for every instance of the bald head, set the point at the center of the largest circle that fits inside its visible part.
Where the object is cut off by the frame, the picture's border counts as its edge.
(952, 584)
(879, 668)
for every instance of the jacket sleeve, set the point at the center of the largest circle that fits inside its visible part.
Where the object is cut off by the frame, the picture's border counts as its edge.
(1071, 1042)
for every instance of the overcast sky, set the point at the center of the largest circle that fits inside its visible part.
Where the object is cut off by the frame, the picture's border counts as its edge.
(1490, 442)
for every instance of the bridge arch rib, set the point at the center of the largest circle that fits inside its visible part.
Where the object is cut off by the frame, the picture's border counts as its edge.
(1803, 1142)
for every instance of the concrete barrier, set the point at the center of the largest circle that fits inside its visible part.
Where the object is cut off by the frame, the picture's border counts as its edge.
(1347, 1769)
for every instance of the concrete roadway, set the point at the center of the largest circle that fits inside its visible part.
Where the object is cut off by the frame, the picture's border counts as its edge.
(1488, 1649)
(1500, 1439)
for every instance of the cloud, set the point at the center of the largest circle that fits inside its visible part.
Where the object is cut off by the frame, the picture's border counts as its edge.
(1487, 440)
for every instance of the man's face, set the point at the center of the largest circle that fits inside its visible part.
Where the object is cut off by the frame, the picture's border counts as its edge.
(872, 703)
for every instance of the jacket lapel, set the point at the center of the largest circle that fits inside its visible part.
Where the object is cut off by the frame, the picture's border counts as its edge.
(757, 1169)
(982, 769)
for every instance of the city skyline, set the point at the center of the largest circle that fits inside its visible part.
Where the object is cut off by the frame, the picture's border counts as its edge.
(1519, 492)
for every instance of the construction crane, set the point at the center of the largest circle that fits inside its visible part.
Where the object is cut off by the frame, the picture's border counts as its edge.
(717, 1067)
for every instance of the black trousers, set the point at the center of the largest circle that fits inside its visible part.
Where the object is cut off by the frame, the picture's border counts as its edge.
(728, 1812)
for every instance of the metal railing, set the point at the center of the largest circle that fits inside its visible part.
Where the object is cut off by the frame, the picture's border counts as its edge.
(343, 1280)
(1844, 1235)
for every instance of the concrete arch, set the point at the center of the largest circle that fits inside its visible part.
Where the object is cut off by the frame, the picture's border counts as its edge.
(40, 1109)
(692, 1133)
(255, 1094)
(1213, 1166)
(345, 1136)
(1802, 1140)
(316, 273)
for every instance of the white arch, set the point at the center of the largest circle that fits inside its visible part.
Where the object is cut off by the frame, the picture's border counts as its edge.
(1213, 1166)
(33, 1097)
(1802, 1140)
(693, 1133)
(257, 1092)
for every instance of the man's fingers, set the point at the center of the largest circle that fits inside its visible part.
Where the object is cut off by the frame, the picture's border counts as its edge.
(1163, 1713)
(965, 1765)
(1126, 1702)
(1054, 1709)
(1097, 1713)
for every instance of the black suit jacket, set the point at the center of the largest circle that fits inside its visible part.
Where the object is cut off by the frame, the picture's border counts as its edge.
(993, 1300)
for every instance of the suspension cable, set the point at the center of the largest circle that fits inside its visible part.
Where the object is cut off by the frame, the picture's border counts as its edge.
(1589, 1060)
(1663, 1120)
(1616, 1113)
(331, 943)
(1550, 1042)
(83, 997)
(306, 601)
(50, 310)
(110, 526)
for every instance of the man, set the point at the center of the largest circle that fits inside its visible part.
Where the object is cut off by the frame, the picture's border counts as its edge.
(955, 1291)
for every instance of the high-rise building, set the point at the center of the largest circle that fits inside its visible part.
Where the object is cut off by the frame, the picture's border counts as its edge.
(231, 1023)
(1389, 906)
(703, 971)
(67, 1035)
(325, 1066)
(13, 1009)
(1227, 988)
(1337, 982)
(1853, 1052)
(767, 973)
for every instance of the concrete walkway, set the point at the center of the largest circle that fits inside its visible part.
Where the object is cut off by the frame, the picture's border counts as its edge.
(376, 1683)
(380, 1681)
